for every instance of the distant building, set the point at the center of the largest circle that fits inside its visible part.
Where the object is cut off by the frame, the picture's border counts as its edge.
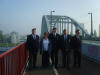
(95, 33)
(6, 38)
(23, 38)
(1, 36)
(86, 31)
(14, 37)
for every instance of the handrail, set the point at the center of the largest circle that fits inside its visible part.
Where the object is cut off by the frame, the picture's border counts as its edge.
(13, 62)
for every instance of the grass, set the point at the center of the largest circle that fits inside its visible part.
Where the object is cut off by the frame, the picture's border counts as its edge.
(7, 45)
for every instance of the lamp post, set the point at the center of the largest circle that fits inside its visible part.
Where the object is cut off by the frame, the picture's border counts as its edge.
(91, 24)
(51, 20)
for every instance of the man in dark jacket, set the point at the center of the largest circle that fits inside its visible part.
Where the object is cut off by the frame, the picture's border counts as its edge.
(65, 48)
(33, 46)
(76, 44)
(54, 37)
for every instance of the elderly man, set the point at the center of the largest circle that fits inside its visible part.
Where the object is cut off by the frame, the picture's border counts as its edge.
(33, 46)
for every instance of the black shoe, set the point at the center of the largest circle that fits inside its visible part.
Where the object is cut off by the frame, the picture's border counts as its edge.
(63, 66)
(53, 65)
(68, 68)
(56, 66)
(29, 69)
(74, 65)
(34, 67)
(79, 66)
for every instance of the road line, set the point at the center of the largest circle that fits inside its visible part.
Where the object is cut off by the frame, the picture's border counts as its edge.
(54, 69)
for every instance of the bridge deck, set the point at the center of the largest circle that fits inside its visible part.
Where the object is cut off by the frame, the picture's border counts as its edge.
(88, 68)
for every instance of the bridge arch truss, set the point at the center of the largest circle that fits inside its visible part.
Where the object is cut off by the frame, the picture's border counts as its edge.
(61, 22)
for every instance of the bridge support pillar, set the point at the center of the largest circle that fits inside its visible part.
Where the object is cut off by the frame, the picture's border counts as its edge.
(68, 26)
(71, 29)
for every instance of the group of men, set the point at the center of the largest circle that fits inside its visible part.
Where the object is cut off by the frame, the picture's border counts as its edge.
(65, 42)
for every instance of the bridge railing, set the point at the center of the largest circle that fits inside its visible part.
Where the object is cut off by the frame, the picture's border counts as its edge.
(13, 62)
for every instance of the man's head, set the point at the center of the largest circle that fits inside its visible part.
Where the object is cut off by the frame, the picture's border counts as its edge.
(54, 30)
(34, 31)
(45, 34)
(65, 31)
(77, 32)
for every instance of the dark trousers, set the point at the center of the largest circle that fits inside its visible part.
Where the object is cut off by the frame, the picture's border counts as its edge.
(54, 57)
(32, 59)
(77, 57)
(65, 54)
(45, 59)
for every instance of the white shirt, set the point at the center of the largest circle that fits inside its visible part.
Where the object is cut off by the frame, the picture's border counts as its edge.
(45, 44)
(34, 36)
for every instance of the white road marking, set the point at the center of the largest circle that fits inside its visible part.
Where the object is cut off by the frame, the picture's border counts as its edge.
(54, 69)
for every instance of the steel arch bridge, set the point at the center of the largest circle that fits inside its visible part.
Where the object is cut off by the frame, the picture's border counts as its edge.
(61, 22)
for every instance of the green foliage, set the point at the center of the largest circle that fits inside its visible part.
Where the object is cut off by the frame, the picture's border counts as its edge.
(7, 45)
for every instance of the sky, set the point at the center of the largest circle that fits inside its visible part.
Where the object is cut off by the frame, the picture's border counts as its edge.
(23, 15)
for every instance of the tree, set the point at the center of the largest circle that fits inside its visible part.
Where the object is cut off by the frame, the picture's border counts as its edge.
(1, 36)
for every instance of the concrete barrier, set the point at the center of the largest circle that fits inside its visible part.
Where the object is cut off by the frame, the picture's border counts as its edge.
(92, 50)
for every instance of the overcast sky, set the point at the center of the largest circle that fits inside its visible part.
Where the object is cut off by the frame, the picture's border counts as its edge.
(23, 15)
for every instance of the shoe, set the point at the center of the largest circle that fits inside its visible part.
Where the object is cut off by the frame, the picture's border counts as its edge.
(63, 66)
(79, 66)
(56, 66)
(68, 68)
(29, 69)
(74, 65)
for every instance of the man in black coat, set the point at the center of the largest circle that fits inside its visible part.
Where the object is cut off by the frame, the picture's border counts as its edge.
(65, 48)
(33, 46)
(77, 44)
(54, 37)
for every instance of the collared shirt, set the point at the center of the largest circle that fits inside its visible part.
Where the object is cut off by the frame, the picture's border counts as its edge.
(65, 37)
(45, 44)
(34, 36)
(54, 34)
(78, 37)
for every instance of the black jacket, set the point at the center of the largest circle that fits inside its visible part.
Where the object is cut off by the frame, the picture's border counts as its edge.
(54, 41)
(76, 43)
(65, 44)
(32, 45)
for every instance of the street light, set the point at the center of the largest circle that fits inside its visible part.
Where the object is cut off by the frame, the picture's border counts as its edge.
(91, 24)
(51, 20)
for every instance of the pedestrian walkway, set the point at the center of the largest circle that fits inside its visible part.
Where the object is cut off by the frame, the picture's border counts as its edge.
(39, 70)
(88, 68)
